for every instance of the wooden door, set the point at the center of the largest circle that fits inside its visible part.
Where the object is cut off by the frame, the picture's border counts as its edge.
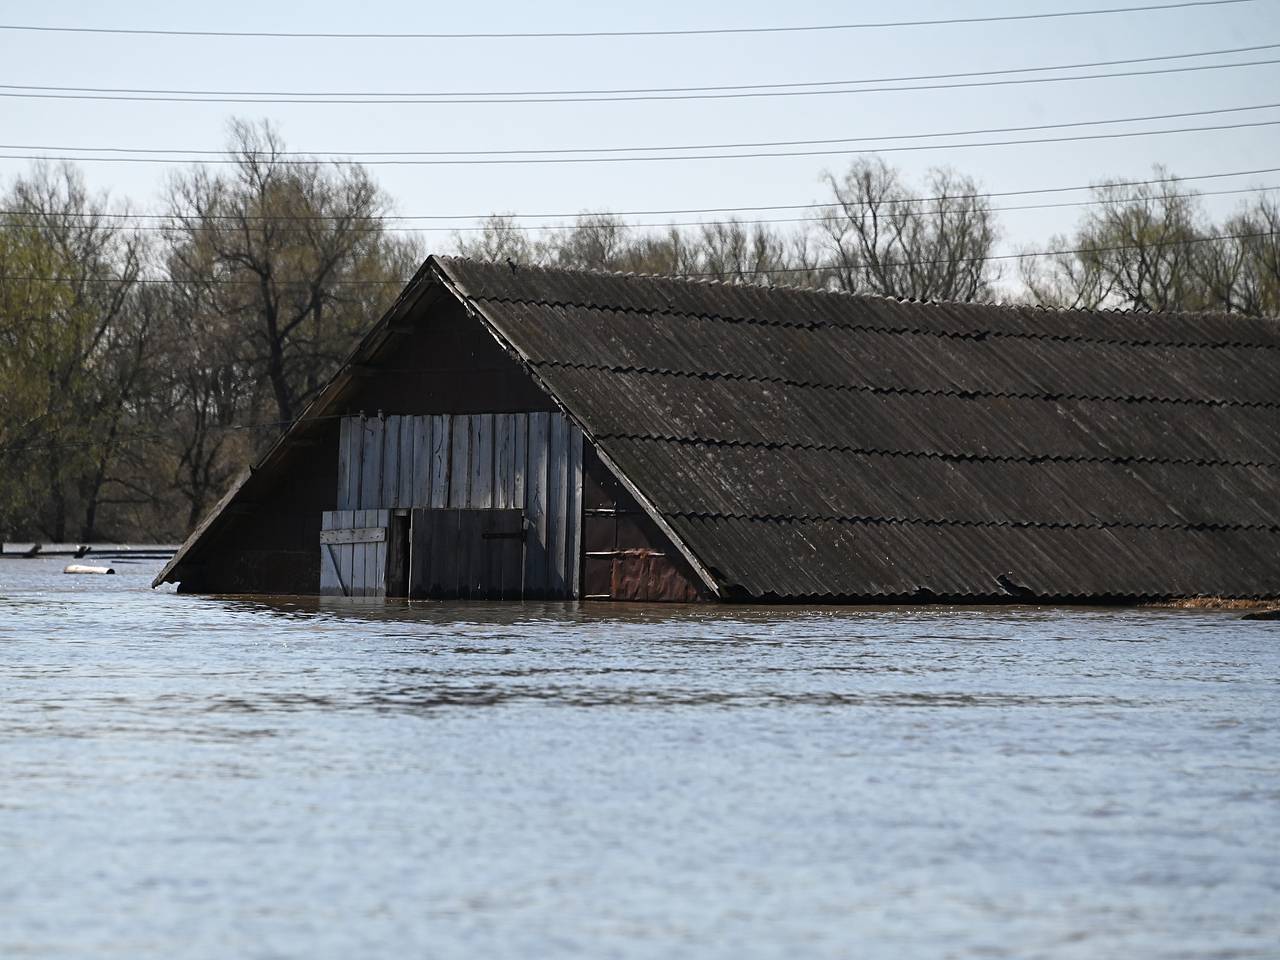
(353, 553)
(466, 554)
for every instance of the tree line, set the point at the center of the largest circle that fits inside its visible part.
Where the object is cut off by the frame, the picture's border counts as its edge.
(142, 366)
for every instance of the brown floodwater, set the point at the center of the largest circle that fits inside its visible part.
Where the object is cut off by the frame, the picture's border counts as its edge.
(212, 778)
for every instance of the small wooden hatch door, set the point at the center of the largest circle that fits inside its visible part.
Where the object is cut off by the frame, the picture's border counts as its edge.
(467, 554)
(353, 553)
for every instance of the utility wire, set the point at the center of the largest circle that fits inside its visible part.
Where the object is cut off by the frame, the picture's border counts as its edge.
(675, 211)
(161, 97)
(930, 212)
(233, 156)
(637, 90)
(1025, 255)
(754, 155)
(567, 34)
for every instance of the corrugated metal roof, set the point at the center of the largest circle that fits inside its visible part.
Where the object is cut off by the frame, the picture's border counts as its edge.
(810, 445)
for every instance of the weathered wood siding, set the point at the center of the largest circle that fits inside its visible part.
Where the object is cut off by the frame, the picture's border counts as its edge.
(356, 564)
(528, 461)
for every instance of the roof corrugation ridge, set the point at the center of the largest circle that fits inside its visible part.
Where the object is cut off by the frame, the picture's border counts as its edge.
(936, 455)
(1212, 315)
(1206, 526)
(873, 328)
(909, 391)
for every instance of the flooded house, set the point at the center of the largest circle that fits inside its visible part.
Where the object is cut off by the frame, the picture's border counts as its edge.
(509, 432)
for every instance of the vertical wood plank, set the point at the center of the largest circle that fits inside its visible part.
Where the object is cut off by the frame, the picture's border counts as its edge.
(357, 558)
(444, 553)
(328, 573)
(512, 562)
(390, 463)
(481, 494)
(355, 461)
(346, 551)
(468, 546)
(420, 490)
(491, 549)
(440, 446)
(520, 458)
(535, 574)
(557, 503)
(503, 461)
(459, 460)
(344, 445)
(371, 468)
(408, 464)
(419, 558)
(573, 540)
(382, 519)
(370, 556)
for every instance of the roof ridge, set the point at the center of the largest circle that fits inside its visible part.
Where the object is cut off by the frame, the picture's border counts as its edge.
(978, 335)
(1217, 315)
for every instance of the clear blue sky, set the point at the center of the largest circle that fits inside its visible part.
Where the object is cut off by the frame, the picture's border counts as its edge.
(384, 65)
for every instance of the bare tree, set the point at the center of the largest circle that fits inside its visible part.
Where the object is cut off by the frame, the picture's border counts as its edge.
(731, 250)
(931, 243)
(1240, 271)
(1064, 279)
(1138, 247)
(291, 252)
(598, 241)
(501, 238)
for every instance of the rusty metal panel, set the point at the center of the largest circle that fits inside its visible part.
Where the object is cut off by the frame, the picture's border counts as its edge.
(624, 554)
(650, 577)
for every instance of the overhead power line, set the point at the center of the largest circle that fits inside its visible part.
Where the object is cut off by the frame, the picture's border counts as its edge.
(672, 211)
(570, 34)
(160, 96)
(639, 90)
(754, 155)
(736, 221)
(1026, 255)
(829, 218)
(236, 156)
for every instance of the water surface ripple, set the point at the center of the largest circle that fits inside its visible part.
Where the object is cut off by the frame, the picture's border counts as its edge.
(188, 777)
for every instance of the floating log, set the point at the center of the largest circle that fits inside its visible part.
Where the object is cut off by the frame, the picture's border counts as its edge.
(1263, 615)
(85, 568)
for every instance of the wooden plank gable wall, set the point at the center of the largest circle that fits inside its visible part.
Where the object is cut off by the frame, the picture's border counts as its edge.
(500, 461)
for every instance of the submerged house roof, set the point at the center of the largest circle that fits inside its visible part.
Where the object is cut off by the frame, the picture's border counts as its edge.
(804, 445)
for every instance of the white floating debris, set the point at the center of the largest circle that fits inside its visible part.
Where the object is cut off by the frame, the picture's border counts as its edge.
(84, 568)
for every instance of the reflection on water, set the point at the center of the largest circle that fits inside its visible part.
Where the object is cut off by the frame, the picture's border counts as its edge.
(212, 777)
